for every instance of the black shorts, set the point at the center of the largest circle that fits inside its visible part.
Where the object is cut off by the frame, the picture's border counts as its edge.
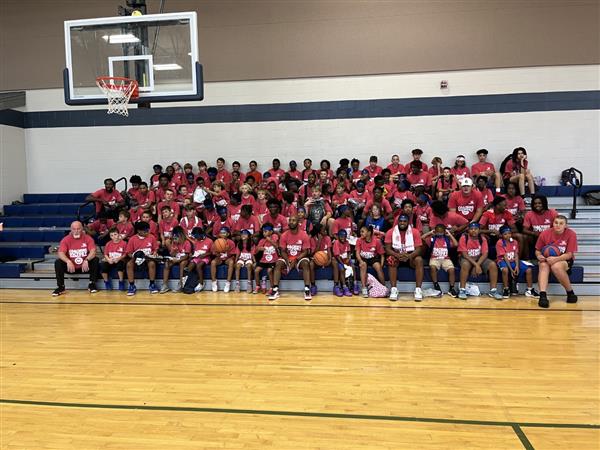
(371, 261)
(107, 267)
(265, 265)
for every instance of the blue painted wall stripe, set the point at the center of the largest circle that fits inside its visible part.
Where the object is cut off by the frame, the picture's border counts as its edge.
(12, 118)
(327, 110)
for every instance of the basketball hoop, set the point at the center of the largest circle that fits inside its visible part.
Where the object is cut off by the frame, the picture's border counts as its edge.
(118, 91)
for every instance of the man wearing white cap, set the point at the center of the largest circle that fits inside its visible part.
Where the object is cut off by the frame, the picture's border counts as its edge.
(467, 202)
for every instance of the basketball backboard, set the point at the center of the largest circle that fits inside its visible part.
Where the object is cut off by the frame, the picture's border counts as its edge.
(159, 51)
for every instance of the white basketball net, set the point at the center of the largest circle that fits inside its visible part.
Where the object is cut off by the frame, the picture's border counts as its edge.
(118, 92)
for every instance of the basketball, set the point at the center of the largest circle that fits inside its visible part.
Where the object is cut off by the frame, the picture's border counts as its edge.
(550, 250)
(220, 245)
(321, 258)
(136, 13)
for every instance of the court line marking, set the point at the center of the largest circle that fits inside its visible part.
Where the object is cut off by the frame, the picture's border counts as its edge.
(307, 305)
(521, 435)
(261, 412)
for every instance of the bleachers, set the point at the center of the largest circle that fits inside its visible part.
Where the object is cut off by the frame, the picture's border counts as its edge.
(35, 227)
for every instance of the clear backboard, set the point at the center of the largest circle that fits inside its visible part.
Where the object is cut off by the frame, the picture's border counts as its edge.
(159, 51)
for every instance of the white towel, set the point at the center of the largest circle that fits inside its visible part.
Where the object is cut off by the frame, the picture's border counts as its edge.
(408, 245)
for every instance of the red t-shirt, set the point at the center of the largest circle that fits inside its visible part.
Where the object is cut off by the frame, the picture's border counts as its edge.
(368, 250)
(423, 213)
(147, 244)
(143, 200)
(361, 198)
(539, 222)
(250, 224)
(171, 204)
(440, 249)
(398, 169)
(244, 254)
(487, 197)
(399, 196)
(269, 255)
(115, 250)
(373, 171)
(295, 174)
(234, 212)
(224, 177)
(279, 223)
(337, 200)
(153, 228)
(276, 174)
(386, 208)
(510, 169)
(443, 184)
(480, 167)
(566, 242)
(216, 228)
(465, 205)
(515, 205)
(341, 250)
(343, 223)
(256, 175)
(165, 227)
(423, 178)
(323, 245)
(125, 229)
(408, 169)
(451, 219)
(294, 243)
(472, 247)
(77, 249)
(230, 251)
(508, 248)
(493, 221)
(202, 248)
(461, 172)
(112, 198)
(400, 246)
(189, 224)
(248, 200)
(99, 228)
(178, 250)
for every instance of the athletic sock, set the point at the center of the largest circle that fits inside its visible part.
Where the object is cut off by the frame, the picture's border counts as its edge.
(132, 283)
(571, 292)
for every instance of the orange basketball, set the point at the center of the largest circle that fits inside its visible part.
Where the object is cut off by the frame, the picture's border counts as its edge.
(321, 258)
(220, 245)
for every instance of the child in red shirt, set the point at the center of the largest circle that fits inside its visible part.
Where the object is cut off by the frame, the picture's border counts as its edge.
(507, 256)
(440, 241)
(179, 252)
(201, 250)
(267, 251)
(341, 264)
(320, 242)
(245, 258)
(115, 255)
(223, 258)
(369, 253)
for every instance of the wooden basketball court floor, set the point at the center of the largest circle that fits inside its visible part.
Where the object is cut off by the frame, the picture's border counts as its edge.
(231, 371)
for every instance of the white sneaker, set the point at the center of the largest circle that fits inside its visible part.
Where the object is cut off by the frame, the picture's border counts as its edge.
(365, 292)
(227, 286)
(179, 287)
(199, 287)
(215, 286)
(394, 294)
(418, 294)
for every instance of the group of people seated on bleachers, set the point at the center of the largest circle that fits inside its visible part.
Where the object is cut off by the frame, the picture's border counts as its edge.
(350, 219)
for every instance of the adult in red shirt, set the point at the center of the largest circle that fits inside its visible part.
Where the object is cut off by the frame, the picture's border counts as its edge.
(454, 222)
(396, 168)
(76, 254)
(467, 202)
(295, 247)
(294, 172)
(486, 169)
(565, 240)
(540, 218)
(108, 199)
(373, 169)
(404, 247)
(493, 219)
(276, 172)
(247, 221)
(274, 217)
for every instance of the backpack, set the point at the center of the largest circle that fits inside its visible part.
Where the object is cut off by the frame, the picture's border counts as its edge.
(190, 283)
(569, 177)
(434, 238)
(592, 198)
(317, 212)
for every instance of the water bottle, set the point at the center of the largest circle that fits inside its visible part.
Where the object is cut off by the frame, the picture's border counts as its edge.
(263, 283)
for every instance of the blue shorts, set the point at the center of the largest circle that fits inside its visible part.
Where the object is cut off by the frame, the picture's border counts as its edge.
(523, 266)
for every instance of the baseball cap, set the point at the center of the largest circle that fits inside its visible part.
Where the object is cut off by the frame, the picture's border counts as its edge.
(466, 182)
(505, 229)
(474, 225)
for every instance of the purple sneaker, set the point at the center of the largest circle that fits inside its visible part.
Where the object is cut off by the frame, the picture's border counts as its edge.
(338, 291)
(356, 290)
(347, 292)
(313, 289)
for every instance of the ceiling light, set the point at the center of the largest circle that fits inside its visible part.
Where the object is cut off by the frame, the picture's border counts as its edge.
(121, 39)
(172, 66)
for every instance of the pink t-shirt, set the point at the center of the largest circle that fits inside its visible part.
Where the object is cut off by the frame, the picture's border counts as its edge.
(189, 224)
(341, 250)
(539, 222)
(269, 255)
(294, 243)
(368, 250)
(202, 249)
(77, 249)
(179, 250)
(439, 247)
(472, 247)
(510, 249)
(493, 221)
(465, 205)
(115, 250)
(566, 241)
(147, 244)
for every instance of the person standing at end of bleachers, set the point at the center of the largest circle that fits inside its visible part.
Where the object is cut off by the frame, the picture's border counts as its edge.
(76, 254)
(108, 199)
(564, 239)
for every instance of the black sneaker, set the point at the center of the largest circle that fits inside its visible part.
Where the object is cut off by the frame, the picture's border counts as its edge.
(532, 293)
(437, 287)
(452, 292)
(514, 288)
(571, 297)
(92, 288)
(543, 301)
(58, 291)
(505, 293)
